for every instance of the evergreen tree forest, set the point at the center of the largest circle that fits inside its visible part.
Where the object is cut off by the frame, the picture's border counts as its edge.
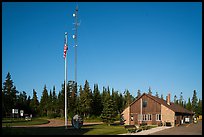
(106, 104)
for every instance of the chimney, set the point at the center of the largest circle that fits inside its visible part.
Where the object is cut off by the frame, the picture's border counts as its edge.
(168, 99)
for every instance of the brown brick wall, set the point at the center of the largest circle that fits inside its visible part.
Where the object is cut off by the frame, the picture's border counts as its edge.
(167, 115)
(152, 106)
(126, 115)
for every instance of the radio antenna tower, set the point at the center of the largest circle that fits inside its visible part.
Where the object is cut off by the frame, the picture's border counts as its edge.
(75, 36)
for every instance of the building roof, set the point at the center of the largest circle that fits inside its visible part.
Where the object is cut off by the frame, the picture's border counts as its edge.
(175, 107)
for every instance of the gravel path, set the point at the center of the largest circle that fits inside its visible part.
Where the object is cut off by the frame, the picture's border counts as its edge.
(57, 123)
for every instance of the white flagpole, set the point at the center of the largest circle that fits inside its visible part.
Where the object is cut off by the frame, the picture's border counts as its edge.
(66, 84)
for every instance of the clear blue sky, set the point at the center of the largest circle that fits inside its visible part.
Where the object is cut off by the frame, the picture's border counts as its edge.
(122, 45)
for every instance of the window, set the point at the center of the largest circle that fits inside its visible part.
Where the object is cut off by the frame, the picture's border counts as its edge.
(147, 117)
(144, 103)
(143, 117)
(158, 117)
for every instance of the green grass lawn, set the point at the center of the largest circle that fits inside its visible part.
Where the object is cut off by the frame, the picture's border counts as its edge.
(104, 129)
(101, 129)
(22, 122)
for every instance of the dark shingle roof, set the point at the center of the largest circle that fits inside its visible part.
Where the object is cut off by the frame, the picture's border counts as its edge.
(172, 106)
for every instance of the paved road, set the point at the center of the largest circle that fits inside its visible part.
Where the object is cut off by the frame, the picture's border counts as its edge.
(148, 132)
(186, 129)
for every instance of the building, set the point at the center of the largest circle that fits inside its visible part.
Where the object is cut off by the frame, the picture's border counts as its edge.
(155, 111)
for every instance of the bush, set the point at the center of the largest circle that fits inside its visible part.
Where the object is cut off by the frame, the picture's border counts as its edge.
(92, 119)
(160, 124)
(118, 117)
(52, 115)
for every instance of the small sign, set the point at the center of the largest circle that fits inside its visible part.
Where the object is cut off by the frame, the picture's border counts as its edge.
(187, 119)
(15, 111)
(21, 112)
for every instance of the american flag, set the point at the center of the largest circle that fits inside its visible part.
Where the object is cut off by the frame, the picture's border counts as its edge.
(65, 50)
(65, 46)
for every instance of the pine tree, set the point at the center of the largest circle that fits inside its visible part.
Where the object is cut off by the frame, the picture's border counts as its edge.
(86, 100)
(188, 105)
(44, 102)
(72, 98)
(28, 109)
(157, 95)
(128, 98)
(61, 101)
(199, 108)
(118, 100)
(22, 101)
(184, 104)
(97, 103)
(103, 95)
(175, 99)
(181, 100)
(115, 99)
(81, 99)
(194, 101)
(54, 100)
(162, 96)
(138, 94)
(14, 94)
(108, 114)
(150, 91)
(34, 104)
(88, 95)
(9, 94)
(50, 105)
(108, 90)
(121, 105)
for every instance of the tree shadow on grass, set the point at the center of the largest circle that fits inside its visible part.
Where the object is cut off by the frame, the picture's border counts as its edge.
(44, 130)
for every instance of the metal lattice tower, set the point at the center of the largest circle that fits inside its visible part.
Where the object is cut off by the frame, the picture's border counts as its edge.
(75, 36)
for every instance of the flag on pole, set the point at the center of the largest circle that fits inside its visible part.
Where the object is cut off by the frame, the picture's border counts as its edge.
(65, 48)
